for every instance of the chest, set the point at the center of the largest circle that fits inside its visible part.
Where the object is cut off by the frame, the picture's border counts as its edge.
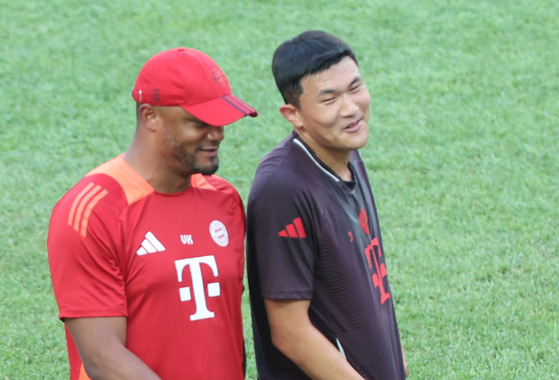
(348, 234)
(181, 248)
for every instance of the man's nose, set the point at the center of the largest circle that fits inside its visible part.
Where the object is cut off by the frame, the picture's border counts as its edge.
(349, 105)
(216, 133)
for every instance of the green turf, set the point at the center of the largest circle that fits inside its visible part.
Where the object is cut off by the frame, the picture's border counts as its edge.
(463, 155)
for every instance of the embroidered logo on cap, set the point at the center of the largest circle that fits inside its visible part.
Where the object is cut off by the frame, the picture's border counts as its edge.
(219, 77)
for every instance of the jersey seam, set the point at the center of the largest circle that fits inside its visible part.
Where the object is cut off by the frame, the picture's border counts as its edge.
(304, 148)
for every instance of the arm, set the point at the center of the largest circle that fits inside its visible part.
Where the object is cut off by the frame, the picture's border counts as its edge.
(101, 344)
(296, 337)
(406, 369)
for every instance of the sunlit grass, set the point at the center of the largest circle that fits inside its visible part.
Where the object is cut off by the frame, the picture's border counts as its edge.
(463, 156)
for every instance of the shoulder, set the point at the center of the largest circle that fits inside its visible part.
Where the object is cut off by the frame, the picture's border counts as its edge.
(358, 164)
(355, 158)
(104, 191)
(216, 192)
(119, 173)
(286, 183)
(214, 184)
(287, 166)
(211, 182)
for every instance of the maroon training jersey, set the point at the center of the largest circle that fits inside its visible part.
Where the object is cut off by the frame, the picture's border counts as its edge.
(172, 264)
(313, 236)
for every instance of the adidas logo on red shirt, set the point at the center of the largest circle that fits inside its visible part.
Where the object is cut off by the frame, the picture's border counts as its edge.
(294, 230)
(150, 245)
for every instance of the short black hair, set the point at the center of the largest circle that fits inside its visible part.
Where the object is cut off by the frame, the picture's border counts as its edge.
(308, 53)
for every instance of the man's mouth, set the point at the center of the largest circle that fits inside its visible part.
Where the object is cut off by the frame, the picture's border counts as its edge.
(211, 151)
(354, 127)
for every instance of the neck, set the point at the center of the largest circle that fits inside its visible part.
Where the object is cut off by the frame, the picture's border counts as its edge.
(340, 167)
(156, 172)
(338, 161)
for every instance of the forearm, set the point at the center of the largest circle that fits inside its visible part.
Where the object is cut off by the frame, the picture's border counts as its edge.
(406, 369)
(316, 355)
(297, 338)
(118, 363)
(101, 344)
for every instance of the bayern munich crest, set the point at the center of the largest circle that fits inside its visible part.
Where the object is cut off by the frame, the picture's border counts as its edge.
(218, 232)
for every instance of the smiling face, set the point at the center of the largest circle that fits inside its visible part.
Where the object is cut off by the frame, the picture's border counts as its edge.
(333, 116)
(189, 145)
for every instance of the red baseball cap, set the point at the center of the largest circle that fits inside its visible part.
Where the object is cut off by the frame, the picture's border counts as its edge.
(192, 80)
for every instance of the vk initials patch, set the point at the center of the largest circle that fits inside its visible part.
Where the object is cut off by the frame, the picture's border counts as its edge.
(186, 239)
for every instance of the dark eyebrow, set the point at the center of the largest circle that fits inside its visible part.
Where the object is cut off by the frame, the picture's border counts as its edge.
(325, 92)
(331, 91)
(355, 80)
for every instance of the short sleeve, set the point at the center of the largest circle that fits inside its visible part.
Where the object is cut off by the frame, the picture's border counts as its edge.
(86, 276)
(281, 239)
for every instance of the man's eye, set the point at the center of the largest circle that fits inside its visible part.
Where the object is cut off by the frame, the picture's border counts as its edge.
(201, 125)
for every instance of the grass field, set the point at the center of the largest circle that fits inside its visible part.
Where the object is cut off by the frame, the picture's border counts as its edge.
(463, 155)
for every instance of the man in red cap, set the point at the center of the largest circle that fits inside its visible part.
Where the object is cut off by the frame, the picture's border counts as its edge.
(147, 250)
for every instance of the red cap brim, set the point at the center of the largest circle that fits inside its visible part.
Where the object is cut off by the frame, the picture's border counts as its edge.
(221, 111)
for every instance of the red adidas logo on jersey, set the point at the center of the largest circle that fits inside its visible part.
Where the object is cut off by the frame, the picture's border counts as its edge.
(294, 230)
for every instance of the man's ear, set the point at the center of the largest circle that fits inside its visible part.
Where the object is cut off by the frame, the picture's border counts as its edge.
(291, 114)
(149, 116)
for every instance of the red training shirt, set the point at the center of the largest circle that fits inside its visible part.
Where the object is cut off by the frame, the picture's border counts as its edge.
(172, 264)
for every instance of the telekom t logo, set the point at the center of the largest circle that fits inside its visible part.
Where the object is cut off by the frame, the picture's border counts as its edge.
(373, 252)
(198, 286)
